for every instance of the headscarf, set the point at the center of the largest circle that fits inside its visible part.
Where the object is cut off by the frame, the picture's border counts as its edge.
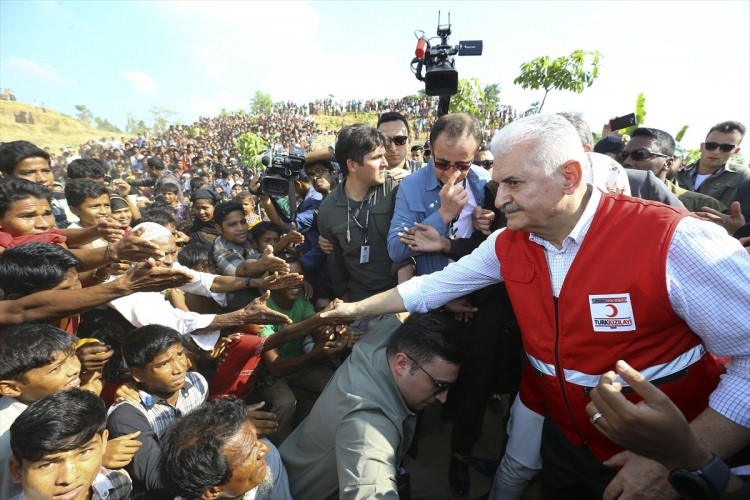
(204, 194)
(118, 203)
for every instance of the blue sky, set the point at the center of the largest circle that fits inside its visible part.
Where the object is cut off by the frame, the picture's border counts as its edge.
(691, 59)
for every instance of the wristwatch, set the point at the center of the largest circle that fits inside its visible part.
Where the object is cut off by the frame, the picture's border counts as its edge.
(706, 483)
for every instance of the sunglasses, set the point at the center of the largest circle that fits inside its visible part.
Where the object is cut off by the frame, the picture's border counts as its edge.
(439, 386)
(398, 140)
(426, 153)
(640, 154)
(444, 165)
(725, 148)
(485, 163)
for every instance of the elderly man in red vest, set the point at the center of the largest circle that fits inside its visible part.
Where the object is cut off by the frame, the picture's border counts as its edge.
(594, 278)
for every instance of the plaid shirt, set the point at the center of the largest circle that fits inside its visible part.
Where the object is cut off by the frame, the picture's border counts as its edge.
(161, 414)
(228, 256)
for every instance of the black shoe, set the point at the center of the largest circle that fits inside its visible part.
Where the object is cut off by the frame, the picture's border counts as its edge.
(458, 475)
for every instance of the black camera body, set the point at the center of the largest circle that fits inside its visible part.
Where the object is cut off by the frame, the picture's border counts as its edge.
(281, 170)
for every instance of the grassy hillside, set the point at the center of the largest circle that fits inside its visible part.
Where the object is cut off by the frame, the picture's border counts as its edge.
(50, 129)
(54, 130)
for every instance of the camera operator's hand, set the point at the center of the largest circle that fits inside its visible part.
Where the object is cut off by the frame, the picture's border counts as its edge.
(254, 186)
(325, 245)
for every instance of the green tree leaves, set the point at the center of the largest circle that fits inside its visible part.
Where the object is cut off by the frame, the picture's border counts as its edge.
(574, 73)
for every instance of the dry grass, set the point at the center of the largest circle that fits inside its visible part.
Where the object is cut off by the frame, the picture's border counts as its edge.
(50, 129)
(54, 130)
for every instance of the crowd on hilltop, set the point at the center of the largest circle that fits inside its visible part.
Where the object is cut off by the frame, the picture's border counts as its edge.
(177, 321)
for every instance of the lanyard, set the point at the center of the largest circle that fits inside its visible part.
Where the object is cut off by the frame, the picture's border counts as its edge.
(350, 217)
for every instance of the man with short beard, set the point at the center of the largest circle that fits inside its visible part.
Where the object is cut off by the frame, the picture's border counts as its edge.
(241, 465)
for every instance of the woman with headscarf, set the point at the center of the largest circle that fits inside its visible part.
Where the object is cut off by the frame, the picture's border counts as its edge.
(121, 212)
(203, 229)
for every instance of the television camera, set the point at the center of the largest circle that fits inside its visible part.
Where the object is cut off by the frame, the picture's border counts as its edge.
(440, 75)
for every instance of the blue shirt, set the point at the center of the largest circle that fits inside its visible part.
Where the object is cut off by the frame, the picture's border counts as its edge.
(418, 200)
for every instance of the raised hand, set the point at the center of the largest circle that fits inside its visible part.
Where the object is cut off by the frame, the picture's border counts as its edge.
(265, 422)
(120, 450)
(259, 313)
(452, 198)
(424, 238)
(271, 263)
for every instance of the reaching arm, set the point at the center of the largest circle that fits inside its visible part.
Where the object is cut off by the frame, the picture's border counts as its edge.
(51, 305)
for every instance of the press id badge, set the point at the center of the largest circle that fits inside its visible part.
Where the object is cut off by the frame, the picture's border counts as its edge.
(364, 254)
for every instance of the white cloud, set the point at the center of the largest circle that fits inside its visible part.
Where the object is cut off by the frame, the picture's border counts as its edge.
(212, 105)
(41, 71)
(140, 81)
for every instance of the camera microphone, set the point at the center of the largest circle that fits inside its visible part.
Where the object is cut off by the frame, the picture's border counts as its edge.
(421, 47)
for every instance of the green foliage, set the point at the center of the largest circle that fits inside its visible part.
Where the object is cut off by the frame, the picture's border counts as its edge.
(104, 124)
(162, 118)
(640, 114)
(250, 146)
(84, 114)
(681, 133)
(469, 98)
(261, 103)
(490, 100)
(134, 126)
(574, 72)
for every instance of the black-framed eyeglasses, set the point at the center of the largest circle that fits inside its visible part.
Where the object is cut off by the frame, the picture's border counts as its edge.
(725, 148)
(439, 386)
(485, 163)
(444, 165)
(640, 154)
(398, 140)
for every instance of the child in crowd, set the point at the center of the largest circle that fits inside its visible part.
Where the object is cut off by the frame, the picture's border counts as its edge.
(267, 233)
(300, 375)
(35, 360)
(121, 212)
(58, 445)
(89, 201)
(249, 205)
(171, 195)
(157, 362)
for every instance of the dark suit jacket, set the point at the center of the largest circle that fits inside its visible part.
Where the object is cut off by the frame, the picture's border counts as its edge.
(644, 184)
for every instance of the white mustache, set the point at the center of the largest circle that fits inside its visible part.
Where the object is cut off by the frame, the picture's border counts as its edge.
(510, 208)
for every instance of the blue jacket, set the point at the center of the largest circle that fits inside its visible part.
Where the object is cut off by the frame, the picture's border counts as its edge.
(418, 200)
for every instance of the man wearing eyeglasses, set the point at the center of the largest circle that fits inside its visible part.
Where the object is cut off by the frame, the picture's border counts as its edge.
(714, 175)
(354, 442)
(395, 127)
(653, 149)
(484, 158)
(594, 278)
(448, 195)
(443, 195)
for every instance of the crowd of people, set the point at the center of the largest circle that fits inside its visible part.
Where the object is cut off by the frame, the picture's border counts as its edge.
(171, 326)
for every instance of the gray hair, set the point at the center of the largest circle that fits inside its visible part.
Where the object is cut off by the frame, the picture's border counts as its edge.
(153, 232)
(553, 140)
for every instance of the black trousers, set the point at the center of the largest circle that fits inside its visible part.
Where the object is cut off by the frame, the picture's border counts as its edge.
(569, 472)
(493, 352)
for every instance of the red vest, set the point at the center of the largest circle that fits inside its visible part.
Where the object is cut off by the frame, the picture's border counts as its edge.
(613, 305)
